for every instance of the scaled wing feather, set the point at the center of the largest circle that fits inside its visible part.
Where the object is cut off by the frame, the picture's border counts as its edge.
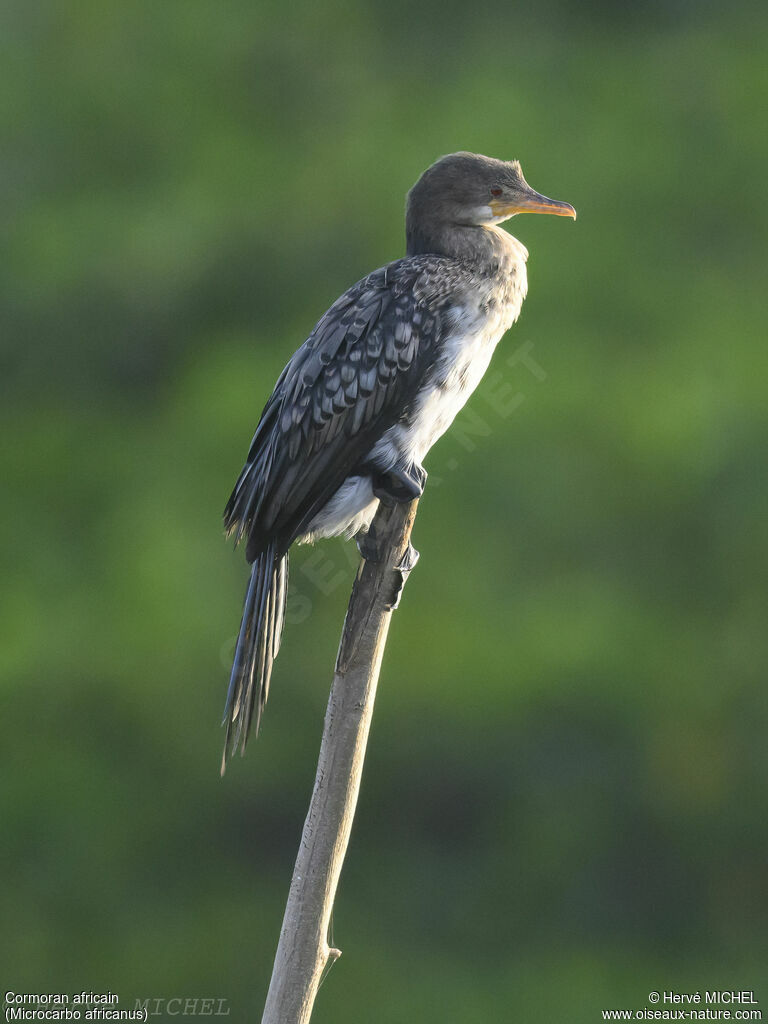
(347, 384)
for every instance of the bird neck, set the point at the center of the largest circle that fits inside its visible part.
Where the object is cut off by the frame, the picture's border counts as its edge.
(489, 248)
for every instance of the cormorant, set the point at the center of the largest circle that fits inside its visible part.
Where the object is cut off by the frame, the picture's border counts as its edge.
(377, 382)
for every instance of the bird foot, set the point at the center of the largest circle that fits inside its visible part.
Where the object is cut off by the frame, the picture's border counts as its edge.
(400, 485)
(402, 569)
(369, 548)
(368, 545)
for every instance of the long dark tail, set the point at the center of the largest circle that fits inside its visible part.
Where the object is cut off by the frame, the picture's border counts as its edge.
(257, 647)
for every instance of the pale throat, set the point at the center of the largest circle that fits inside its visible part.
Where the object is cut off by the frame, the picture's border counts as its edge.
(507, 241)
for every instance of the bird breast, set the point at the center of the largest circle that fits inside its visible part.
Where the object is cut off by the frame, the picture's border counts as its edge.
(458, 372)
(471, 332)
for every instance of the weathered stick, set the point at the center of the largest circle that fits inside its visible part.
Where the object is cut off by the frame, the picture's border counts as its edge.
(303, 951)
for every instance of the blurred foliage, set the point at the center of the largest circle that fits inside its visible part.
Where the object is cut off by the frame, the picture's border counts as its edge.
(564, 801)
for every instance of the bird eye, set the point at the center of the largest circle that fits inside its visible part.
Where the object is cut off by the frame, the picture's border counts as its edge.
(495, 191)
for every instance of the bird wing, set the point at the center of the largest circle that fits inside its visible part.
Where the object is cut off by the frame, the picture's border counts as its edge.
(347, 384)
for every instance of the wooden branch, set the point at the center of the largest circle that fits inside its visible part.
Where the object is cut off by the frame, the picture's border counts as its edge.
(303, 951)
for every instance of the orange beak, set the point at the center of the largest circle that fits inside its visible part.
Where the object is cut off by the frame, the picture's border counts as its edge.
(531, 202)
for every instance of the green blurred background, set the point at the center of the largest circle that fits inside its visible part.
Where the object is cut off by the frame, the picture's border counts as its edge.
(564, 803)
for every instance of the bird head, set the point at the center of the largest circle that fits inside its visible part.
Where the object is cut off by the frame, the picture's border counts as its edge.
(468, 189)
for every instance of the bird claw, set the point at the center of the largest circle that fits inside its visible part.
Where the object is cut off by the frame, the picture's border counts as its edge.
(368, 545)
(402, 569)
(409, 559)
(419, 474)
